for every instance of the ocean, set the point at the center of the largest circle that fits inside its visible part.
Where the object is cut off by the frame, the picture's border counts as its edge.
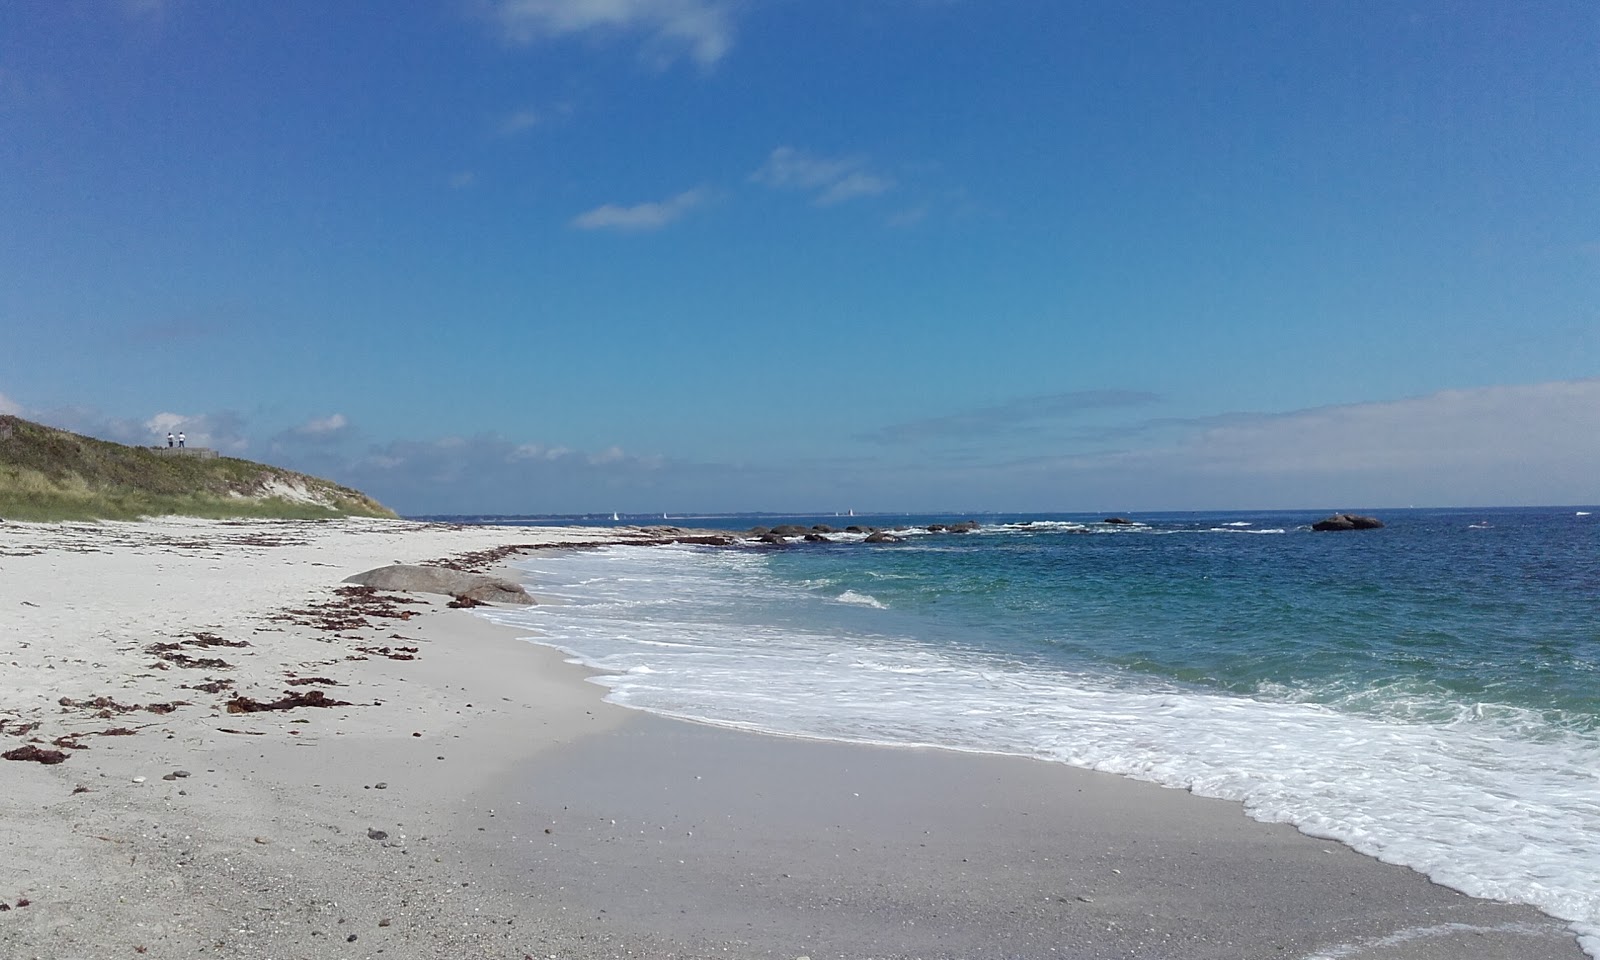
(1427, 693)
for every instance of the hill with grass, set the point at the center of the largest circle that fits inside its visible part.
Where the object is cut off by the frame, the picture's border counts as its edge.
(50, 474)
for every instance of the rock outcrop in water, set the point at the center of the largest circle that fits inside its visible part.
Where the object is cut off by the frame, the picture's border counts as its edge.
(453, 583)
(1348, 521)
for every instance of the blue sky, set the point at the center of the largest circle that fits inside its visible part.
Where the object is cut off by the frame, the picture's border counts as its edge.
(686, 255)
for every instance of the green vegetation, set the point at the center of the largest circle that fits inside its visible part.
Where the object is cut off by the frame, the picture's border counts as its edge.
(49, 474)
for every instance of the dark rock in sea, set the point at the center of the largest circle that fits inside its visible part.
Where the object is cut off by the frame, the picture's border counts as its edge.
(759, 531)
(1117, 520)
(453, 583)
(773, 537)
(855, 529)
(789, 530)
(821, 528)
(937, 528)
(1348, 521)
(704, 539)
(817, 538)
(878, 536)
(965, 526)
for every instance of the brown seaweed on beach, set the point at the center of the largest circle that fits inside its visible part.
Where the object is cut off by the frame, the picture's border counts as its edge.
(212, 640)
(351, 609)
(304, 681)
(310, 698)
(210, 686)
(31, 752)
(193, 663)
(393, 653)
(68, 742)
(116, 732)
(477, 560)
(245, 733)
(160, 708)
(105, 705)
(461, 602)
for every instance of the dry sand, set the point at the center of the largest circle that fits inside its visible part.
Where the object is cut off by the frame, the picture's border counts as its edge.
(481, 801)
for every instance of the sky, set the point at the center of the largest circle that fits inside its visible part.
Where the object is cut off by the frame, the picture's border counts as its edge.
(563, 256)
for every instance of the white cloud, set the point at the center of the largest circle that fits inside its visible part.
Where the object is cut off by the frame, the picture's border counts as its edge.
(332, 423)
(10, 406)
(219, 431)
(641, 217)
(855, 184)
(830, 180)
(701, 28)
(788, 167)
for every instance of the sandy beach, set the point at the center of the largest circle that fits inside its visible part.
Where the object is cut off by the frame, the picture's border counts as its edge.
(467, 794)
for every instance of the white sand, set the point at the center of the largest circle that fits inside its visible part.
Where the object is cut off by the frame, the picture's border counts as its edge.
(263, 849)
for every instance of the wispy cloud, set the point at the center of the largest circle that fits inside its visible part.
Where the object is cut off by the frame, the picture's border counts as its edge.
(462, 179)
(830, 180)
(702, 29)
(492, 474)
(9, 406)
(1524, 444)
(641, 217)
(1009, 416)
(518, 121)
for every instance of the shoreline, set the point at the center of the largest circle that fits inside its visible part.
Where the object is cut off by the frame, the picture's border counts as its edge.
(271, 845)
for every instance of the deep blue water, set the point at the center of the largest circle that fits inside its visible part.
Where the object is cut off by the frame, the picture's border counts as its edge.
(1428, 692)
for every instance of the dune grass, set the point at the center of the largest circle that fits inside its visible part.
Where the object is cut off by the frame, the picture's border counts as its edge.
(48, 474)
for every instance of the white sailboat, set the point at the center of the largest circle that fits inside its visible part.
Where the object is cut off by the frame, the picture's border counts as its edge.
(614, 515)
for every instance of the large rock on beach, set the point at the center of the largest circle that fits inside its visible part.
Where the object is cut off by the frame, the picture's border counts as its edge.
(1348, 521)
(454, 583)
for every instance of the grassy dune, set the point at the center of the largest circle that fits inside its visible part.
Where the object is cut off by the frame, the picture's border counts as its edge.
(49, 474)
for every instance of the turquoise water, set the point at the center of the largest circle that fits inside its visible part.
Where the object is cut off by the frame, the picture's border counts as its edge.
(1426, 692)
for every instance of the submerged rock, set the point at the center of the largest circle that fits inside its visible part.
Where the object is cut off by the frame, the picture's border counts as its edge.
(452, 583)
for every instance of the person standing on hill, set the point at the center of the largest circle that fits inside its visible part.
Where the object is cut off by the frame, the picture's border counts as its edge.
(180, 439)
(169, 439)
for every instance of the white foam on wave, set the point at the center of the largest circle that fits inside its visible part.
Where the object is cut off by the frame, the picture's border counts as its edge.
(860, 599)
(1472, 803)
(1234, 528)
